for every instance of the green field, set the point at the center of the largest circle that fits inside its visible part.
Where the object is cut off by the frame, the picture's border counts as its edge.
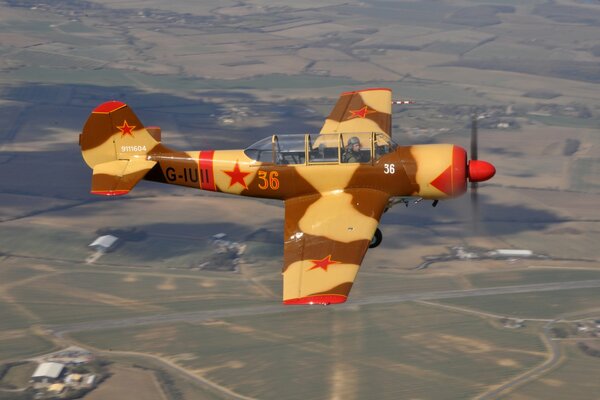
(12, 273)
(26, 345)
(584, 174)
(187, 66)
(404, 349)
(11, 318)
(173, 384)
(528, 277)
(18, 376)
(171, 248)
(119, 77)
(575, 378)
(77, 297)
(373, 283)
(549, 304)
(34, 240)
(567, 121)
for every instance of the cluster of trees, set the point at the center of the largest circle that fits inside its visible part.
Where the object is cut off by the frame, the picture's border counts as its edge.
(166, 382)
(590, 351)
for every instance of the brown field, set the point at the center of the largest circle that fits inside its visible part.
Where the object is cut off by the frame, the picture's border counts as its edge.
(18, 376)
(186, 66)
(128, 383)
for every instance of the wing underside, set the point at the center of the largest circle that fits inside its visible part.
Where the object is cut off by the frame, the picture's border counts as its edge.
(326, 238)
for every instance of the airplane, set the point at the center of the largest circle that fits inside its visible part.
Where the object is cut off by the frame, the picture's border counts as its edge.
(335, 184)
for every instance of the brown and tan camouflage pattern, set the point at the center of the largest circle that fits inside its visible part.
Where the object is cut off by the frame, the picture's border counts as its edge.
(337, 224)
(331, 209)
(367, 110)
(119, 177)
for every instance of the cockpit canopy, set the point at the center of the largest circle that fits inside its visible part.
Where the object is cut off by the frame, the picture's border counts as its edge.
(326, 148)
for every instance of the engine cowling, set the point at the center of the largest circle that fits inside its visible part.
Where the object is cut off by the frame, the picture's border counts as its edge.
(443, 170)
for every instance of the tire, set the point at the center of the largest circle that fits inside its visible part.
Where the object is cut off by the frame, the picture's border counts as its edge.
(377, 238)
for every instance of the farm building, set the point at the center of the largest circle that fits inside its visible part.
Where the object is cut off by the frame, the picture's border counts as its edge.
(511, 253)
(48, 372)
(73, 378)
(104, 243)
(90, 380)
(56, 388)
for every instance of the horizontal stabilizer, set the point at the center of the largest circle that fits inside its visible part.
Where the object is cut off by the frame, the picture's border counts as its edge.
(115, 178)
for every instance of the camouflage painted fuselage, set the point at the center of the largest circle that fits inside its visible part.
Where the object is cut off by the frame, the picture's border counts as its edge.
(409, 171)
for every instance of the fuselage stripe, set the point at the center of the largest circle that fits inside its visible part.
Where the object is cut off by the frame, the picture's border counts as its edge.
(459, 168)
(205, 165)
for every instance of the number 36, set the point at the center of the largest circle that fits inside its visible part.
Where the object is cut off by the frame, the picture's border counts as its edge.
(271, 182)
(389, 168)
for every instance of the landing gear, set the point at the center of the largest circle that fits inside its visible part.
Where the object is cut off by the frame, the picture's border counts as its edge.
(377, 238)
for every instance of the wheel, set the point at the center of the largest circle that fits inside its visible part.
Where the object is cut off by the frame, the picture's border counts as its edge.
(377, 238)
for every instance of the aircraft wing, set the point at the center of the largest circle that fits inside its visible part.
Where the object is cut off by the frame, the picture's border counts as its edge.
(368, 110)
(118, 177)
(326, 238)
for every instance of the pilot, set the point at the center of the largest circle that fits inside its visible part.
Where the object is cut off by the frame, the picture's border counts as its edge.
(352, 152)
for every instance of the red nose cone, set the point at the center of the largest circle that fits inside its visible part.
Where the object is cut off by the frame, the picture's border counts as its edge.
(480, 171)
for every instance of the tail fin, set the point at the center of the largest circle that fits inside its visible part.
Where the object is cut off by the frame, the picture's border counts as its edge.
(115, 144)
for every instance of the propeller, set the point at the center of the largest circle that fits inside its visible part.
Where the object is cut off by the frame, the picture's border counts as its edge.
(478, 171)
(474, 185)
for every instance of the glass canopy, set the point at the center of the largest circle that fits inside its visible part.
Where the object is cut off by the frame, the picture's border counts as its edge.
(328, 148)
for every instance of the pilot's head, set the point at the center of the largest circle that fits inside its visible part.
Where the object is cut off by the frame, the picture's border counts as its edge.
(354, 143)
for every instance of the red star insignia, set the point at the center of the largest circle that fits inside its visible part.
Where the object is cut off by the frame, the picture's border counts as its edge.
(361, 113)
(126, 129)
(324, 263)
(237, 176)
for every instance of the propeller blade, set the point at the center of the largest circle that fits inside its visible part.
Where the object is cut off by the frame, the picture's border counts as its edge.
(474, 137)
(474, 207)
(474, 196)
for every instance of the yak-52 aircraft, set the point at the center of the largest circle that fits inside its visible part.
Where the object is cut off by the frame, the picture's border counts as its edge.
(336, 184)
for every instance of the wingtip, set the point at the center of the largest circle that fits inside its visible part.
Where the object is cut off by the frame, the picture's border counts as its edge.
(365, 90)
(108, 107)
(109, 192)
(323, 299)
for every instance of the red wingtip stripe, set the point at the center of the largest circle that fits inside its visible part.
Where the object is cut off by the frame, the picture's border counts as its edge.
(323, 299)
(109, 107)
(109, 192)
(365, 90)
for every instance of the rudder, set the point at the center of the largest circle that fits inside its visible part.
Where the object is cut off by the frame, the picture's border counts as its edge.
(114, 132)
(115, 144)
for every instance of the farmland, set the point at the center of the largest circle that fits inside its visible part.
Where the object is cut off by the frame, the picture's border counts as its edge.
(224, 74)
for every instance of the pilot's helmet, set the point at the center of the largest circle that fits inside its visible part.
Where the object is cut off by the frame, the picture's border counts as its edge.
(352, 141)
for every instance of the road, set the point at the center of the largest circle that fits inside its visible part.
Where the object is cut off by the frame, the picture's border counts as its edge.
(199, 316)
(533, 373)
(222, 391)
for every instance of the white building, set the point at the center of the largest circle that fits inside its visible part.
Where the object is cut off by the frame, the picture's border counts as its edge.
(90, 380)
(511, 253)
(104, 243)
(48, 372)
